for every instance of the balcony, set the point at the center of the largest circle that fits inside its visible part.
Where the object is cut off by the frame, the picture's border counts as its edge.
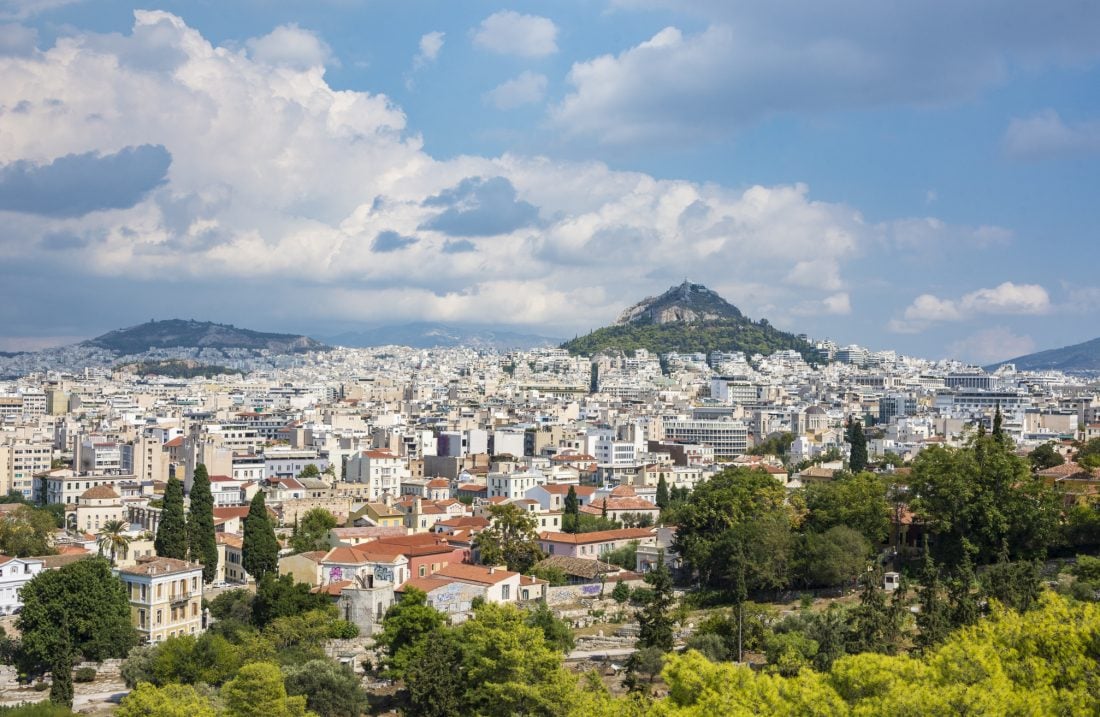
(176, 599)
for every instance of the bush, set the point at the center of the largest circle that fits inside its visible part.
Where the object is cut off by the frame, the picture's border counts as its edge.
(343, 630)
(41, 686)
(84, 674)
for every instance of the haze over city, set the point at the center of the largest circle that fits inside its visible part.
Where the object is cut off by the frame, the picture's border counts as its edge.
(917, 177)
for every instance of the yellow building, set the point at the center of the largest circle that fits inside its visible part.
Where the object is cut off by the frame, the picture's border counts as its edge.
(384, 515)
(165, 598)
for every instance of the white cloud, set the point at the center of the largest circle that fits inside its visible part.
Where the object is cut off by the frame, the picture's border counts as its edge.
(527, 88)
(509, 33)
(1005, 299)
(277, 178)
(756, 60)
(1046, 134)
(291, 46)
(992, 345)
(430, 45)
(23, 9)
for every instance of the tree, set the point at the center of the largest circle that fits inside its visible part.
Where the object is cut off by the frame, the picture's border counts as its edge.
(171, 540)
(258, 691)
(933, 620)
(310, 470)
(330, 689)
(435, 676)
(201, 540)
(998, 433)
(148, 700)
(208, 659)
(1045, 457)
(857, 501)
(1088, 455)
(874, 625)
(655, 620)
(857, 457)
(61, 668)
(625, 557)
(1016, 585)
(511, 539)
(112, 538)
(312, 531)
(835, 557)
(81, 610)
(571, 515)
(406, 623)
(645, 662)
(26, 531)
(555, 631)
(282, 596)
(260, 551)
(621, 593)
(662, 498)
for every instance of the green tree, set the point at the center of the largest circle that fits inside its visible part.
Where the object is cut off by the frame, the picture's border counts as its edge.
(171, 540)
(645, 662)
(258, 691)
(621, 593)
(857, 457)
(80, 609)
(1088, 455)
(27, 531)
(835, 557)
(998, 433)
(201, 541)
(663, 500)
(112, 538)
(435, 676)
(511, 539)
(933, 620)
(655, 619)
(1016, 585)
(310, 471)
(282, 596)
(571, 515)
(555, 631)
(875, 626)
(210, 659)
(963, 602)
(1045, 457)
(857, 501)
(406, 623)
(260, 551)
(148, 700)
(138, 666)
(509, 668)
(330, 689)
(312, 531)
(61, 668)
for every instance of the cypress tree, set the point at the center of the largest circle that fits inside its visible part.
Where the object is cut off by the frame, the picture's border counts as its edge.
(998, 431)
(933, 620)
(857, 459)
(61, 675)
(260, 549)
(572, 511)
(171, 540)
(201, 541)
(662, 493)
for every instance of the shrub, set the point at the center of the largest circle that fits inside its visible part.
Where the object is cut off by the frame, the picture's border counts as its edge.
(84, 674)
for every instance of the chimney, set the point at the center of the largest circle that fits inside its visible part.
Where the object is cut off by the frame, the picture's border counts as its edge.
(492, 569)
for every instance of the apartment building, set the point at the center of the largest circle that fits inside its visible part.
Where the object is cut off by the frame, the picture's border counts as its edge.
(165, 598)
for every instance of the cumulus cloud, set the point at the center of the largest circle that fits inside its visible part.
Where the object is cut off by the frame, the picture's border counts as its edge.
(527, 88)
(510, 33)
(1047, 135)
(992, 345)
(291, 46)
(430, 45)
(755, 60)
(1005, 299)
(17, 39)
(277, 178)
(76, 184)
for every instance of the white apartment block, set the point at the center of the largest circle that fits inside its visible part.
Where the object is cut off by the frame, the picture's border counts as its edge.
(727, 437)
(381, 470)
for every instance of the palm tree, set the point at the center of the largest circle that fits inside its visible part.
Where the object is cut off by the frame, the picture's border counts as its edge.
(113, 538)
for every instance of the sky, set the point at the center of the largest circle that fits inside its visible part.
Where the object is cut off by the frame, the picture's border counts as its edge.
(919, 175)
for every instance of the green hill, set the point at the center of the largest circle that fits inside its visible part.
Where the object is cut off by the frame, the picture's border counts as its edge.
(1082, 357)
(688, 318)
(177, 333)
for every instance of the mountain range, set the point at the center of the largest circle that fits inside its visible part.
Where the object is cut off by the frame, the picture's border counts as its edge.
(429, 335)
(689, 318)
(1082, 357)
(178, 333)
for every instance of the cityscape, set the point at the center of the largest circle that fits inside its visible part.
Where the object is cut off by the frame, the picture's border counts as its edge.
(566, 359)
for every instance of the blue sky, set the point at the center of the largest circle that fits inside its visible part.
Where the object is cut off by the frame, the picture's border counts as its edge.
(918, 175)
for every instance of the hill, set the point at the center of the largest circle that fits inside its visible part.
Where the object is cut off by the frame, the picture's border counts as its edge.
(689, 318)
(1078, 358)
(426, 335)
(177, 333)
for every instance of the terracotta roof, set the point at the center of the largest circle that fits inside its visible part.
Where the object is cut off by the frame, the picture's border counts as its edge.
(230, 539)
(580, 567)
(623, 491)
(160, 566)
(99, 492)
(635, 504)
(175, 442)
(333, 589)
(378, 454)
(426, 583)
(563, 489)
(475, 573)
(599, 536)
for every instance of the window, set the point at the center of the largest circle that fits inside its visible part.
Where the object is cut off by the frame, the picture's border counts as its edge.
(141, 619)
(160, 591)
(160, 617)
(505, 592)
(423, 570)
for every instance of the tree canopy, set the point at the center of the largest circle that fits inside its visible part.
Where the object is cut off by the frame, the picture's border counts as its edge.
(511, 539)
(171, 540)
(260, 550)
(311, 532)
(202, 543)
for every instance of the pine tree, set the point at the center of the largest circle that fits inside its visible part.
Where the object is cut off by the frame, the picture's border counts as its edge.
(261, 549)
(662, 499)
(960, 593)
(171, 540)
(857, 459)
(571, 518)
(655, 620)
(933, 620)
(201, 541)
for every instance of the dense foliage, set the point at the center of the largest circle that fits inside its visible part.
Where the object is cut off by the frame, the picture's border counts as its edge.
(738, 334)
(511, 539)
(311, 532)
(202, 544)
(260, 549)
(26, 531)
(171, 540)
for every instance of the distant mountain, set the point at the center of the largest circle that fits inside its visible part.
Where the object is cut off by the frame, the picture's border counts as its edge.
(177, 333)
(1083, 357)
(689, 318)
(426, 335)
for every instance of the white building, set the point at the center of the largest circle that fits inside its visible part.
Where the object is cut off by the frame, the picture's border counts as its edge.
(14, 574)
(381, 470)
